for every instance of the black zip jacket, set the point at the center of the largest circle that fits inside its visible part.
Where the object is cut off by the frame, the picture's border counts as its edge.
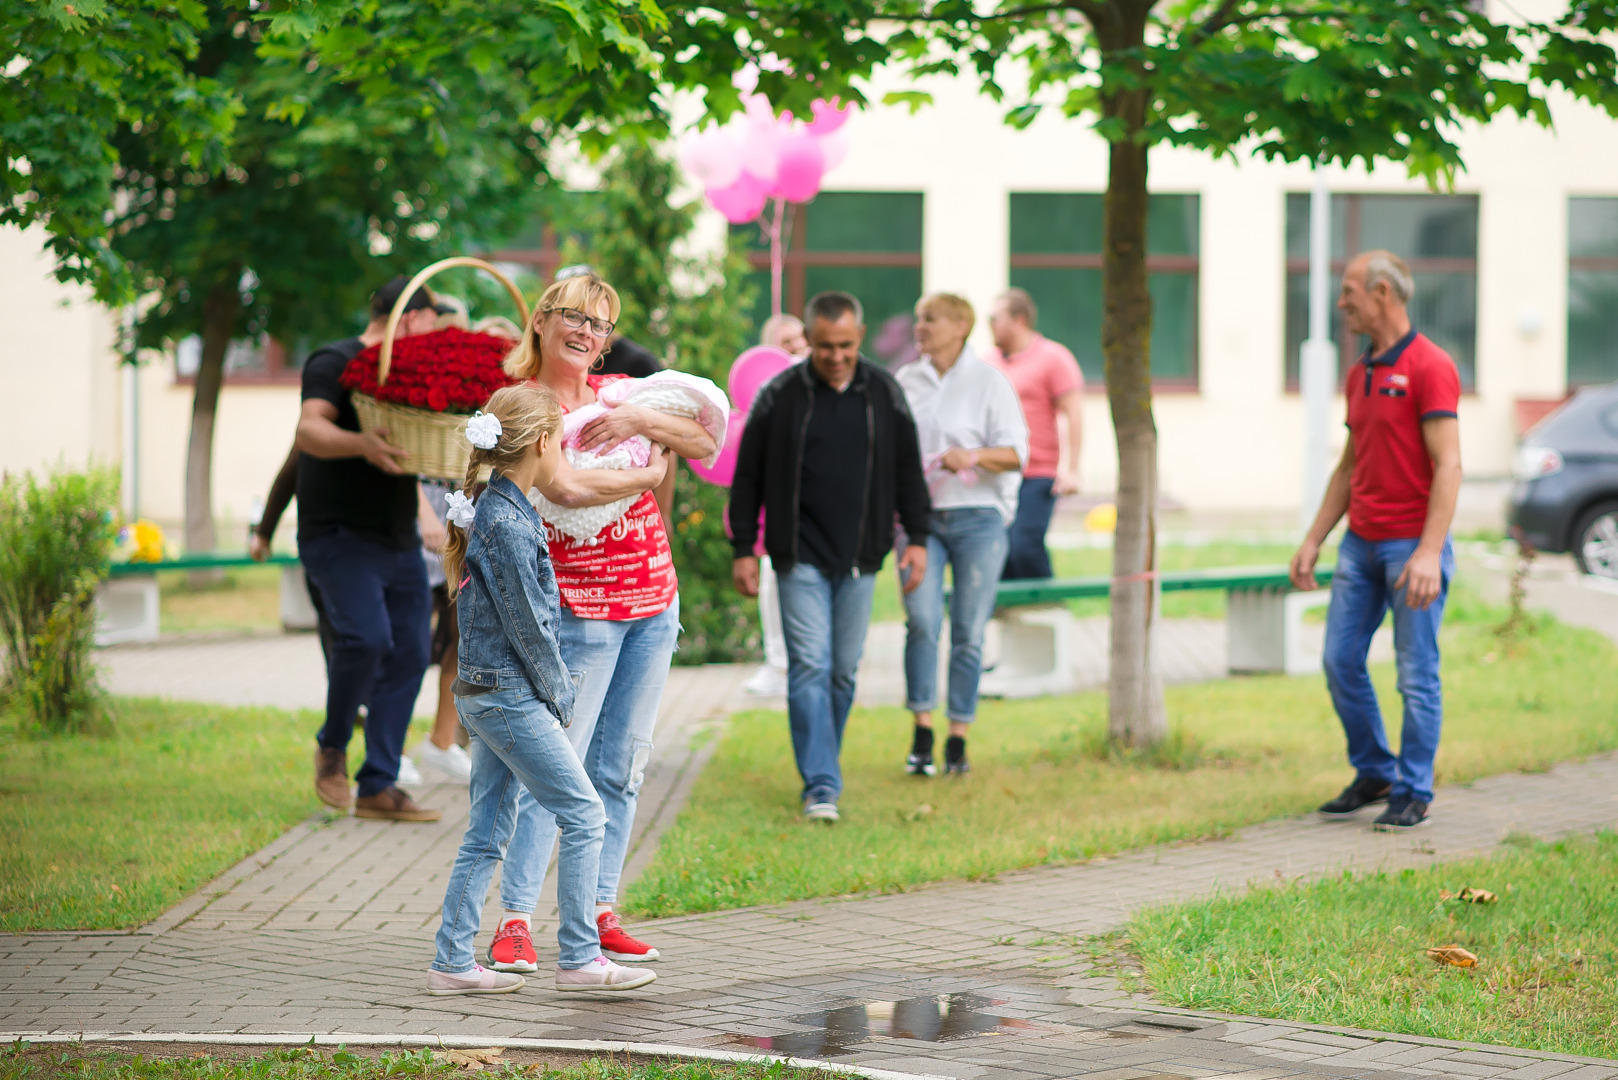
(769, 466)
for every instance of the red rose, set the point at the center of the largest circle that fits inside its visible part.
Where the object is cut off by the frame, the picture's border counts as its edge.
(437, 400)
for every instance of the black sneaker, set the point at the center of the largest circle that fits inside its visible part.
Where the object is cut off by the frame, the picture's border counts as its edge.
(955, 763)
(1400, 815)
(920, 761)
(1356, 797)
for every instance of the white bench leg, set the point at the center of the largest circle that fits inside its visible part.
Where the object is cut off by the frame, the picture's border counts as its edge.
(127, 609)
(297, 612)
(1264, 631)
(1035, 655)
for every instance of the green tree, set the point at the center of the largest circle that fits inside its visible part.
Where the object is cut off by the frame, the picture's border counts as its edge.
(1298, 80)
(693, 312)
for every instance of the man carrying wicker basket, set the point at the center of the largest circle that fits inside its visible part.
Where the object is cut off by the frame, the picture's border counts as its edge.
(357, 538)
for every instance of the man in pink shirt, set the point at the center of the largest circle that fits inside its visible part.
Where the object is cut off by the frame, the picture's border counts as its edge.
(1048, 381)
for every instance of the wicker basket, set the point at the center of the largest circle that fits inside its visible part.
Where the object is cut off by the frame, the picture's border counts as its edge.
(435, 441)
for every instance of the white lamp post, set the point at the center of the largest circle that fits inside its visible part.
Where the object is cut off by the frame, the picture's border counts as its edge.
(1317, 361)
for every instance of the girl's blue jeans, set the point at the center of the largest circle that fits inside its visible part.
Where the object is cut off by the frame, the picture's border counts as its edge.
(620, 669)
(517, 745)
(1362, 593)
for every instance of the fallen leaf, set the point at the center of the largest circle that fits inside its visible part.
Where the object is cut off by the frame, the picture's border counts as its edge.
(471, 1060)
(1470, 895)
(1453, 954)
(919, 812)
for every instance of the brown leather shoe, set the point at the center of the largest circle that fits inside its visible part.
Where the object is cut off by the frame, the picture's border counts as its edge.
(331, 777)
(393, 804)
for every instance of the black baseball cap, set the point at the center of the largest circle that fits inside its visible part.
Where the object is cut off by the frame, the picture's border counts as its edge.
(383, 299)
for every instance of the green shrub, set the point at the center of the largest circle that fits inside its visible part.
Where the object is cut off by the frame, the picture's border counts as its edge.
(718, 626)
(55, 537)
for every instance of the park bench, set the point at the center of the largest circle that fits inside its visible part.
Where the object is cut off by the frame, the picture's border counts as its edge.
(128, 601)
(1263, 620)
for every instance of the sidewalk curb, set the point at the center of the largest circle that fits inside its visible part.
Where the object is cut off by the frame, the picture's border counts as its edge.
(433, 1042)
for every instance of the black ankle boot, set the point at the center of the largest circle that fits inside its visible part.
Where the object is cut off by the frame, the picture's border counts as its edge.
(920, 761)
(955, 755)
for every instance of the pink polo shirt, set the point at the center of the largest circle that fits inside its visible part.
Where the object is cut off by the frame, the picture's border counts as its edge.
(1040, 374)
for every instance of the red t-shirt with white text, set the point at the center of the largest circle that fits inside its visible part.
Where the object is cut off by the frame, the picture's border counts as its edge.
(626, 571)
(1389, 396)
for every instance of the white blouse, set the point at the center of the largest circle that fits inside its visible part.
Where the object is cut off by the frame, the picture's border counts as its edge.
(972, 406)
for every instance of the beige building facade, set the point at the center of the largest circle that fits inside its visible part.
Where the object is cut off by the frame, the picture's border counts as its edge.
(981, 196)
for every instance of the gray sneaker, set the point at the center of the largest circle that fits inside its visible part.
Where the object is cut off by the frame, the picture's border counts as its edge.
(820, 811)
(601, 974)
(480, 980)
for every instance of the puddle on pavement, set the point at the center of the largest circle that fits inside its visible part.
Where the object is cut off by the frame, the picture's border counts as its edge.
(940, 1018)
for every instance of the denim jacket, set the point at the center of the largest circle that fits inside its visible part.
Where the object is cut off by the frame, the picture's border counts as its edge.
(508, 604)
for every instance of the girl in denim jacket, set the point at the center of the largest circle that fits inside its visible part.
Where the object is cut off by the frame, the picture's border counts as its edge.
(514, 696)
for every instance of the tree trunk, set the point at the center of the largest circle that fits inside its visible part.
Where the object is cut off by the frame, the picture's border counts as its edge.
(219, 313)
(1136, 714)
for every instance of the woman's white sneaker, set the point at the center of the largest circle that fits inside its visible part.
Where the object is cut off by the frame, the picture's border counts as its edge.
(480, 980)
(602, 974)
(454, 763)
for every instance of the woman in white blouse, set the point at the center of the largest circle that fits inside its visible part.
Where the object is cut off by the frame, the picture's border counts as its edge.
(973, 444)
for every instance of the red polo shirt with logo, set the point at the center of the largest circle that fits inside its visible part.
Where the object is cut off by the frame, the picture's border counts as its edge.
(1389, 396)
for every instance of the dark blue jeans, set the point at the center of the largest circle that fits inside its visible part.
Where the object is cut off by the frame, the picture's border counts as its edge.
(1026, 556)
(380, 610)
(1362, 593)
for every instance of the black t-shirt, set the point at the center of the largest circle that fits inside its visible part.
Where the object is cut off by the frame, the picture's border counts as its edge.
(626, 358)
(831, 483)
(349, 493)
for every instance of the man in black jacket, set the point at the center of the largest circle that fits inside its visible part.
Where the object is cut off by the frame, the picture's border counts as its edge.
(830, 455)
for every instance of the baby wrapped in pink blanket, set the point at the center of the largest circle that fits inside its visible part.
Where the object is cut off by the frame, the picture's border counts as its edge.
(671, 392)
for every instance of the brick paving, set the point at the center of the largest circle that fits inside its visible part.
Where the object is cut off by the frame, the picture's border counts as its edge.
(328, 932)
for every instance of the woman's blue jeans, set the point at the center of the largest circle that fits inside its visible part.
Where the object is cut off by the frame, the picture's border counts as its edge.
(972, 540)
(619, 669)
(517, 744)
(1362, 592)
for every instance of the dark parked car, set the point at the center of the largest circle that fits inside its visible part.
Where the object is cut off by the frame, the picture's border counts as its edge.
(1566, 494)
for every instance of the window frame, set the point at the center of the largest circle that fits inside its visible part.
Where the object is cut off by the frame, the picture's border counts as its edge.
(1599, 263)
(1189, 265)
(1347, 347)
(796, 258)
(277, 371)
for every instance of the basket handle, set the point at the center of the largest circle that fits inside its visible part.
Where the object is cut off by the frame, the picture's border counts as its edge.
(385, 360)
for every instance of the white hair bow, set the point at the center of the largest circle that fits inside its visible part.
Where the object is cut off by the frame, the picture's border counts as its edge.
(483, 431)
(461, 509)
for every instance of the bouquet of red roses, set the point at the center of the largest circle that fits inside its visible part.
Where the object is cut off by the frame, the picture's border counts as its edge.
(448, 370)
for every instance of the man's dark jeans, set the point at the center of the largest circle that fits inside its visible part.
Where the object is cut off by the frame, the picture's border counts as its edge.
(380, 610)
(1026, 556)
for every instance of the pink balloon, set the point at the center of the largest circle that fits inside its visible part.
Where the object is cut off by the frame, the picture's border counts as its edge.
(802, 164)
(723, 470)
(714, 156)
(761, 135)
(829, 115)
(834, 148)
(742, 201)
(752, 370)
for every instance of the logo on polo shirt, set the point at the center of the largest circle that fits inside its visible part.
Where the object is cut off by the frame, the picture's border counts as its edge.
(1393, 385)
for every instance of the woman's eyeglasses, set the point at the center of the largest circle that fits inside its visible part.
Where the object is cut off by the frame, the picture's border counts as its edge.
(573, 318)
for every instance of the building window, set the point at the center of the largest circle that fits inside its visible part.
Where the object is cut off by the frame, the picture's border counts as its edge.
(1056, 257)
(863, 242)
(1436, 234)
(1592, 291)
(247, 360)
(537, 248)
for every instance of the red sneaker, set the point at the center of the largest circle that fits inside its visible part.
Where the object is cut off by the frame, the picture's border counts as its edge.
(513, 948)
(619, 946)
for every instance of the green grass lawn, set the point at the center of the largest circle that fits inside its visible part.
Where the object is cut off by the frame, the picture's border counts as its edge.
(1350, 951)
(1090, 562)
(20, 1061)
(248, 598)
(108, 831)
(1044, 790)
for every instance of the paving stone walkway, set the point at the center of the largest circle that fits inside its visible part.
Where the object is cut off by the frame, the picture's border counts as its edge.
(328, 931)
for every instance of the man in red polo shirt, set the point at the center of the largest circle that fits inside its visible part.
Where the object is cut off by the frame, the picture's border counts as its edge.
(1397, 481)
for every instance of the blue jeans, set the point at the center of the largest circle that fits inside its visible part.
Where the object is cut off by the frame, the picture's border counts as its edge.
(972, 539)
(824, 617)
(1361, 593)
(380, 610)
(517, 743)
(1026, 555)
(619, 669)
